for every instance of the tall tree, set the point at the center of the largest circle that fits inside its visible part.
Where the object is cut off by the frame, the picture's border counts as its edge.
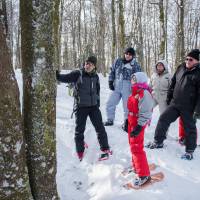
(163, 31)
(14, 181)
(100, 36)
(114, 38)
(121, 27)
(180, 47)
(39, 95)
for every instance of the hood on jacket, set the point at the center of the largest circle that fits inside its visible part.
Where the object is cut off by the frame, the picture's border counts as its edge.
(141, 77)
(164, 62)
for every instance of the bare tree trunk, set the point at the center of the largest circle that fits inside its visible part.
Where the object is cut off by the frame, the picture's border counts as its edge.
(101, 36)
(39, 96)
(121, 28)
(114, 38)
(180, 50)
(163, 31)
(139, 38)
(14, 181)
(56, 34)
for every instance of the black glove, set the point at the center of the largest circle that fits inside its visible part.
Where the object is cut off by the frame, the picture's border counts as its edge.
(168, 101)
(111, 86)
(136, 131)
(57, 74)
(196, 116)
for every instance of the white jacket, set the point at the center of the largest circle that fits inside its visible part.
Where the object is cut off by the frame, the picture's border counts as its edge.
(160, 85)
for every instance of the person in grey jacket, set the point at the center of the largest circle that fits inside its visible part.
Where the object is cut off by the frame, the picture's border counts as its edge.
(120, 84)
(160, 82)
(140, 106)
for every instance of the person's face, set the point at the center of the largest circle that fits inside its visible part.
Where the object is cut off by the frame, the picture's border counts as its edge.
(89, 66)
(190, 62)
(133, 80)
(128, 56)
(160, 68)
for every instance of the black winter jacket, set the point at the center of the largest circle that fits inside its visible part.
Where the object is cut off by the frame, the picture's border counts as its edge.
(88, 90)
(184, 90)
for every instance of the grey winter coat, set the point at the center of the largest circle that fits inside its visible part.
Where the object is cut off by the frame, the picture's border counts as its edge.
(160, 85)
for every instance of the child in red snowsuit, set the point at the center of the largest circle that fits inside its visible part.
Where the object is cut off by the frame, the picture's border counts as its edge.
(140, 106)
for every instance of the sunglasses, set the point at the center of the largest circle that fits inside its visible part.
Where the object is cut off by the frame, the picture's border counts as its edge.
(88, 63)
(189, 59)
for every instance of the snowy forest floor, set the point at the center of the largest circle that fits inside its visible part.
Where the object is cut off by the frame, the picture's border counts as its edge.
(94, 180)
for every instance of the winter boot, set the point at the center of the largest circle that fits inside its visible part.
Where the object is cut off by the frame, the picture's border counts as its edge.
(109, 122)
(187, 156)
(139, 181)
(125, 125)
(105, 155)
(80, 155)
(154, 145)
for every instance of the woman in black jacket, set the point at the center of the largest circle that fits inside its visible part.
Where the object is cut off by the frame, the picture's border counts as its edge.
(87, 101)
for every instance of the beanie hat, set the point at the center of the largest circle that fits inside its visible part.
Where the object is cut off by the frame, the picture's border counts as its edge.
(130, 50)
(92, 59)
(194, 53)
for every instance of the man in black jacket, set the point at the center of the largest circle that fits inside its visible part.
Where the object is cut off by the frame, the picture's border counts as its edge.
(184, 100)
(87, 101)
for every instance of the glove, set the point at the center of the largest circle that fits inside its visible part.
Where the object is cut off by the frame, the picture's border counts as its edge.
(168, 101)
(196, 116)
(135, 132)
(57, 74)
(111, 86)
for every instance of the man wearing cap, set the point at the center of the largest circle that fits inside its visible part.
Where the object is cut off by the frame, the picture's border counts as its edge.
(183, 99)
(87, 101)
(120, 84)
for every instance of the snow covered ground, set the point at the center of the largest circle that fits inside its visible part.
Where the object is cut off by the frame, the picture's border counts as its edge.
(94, 180)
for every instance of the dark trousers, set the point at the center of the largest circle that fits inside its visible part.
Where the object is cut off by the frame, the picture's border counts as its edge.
(170, 115)
(81, 115)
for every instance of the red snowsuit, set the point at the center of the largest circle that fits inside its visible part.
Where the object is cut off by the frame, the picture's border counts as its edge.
(139, 159)
(181, 131)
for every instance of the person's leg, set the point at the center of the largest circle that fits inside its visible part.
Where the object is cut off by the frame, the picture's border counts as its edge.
(166, 118)
(111, 105)
(190, 131)
(162, 106)
(139, 158)
(126, 91)
(80, 121)
(181, 130)
(96, 119)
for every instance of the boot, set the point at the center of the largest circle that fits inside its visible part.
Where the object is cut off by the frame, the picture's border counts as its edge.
(125, 125)
(109, 122)
(141, 180)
